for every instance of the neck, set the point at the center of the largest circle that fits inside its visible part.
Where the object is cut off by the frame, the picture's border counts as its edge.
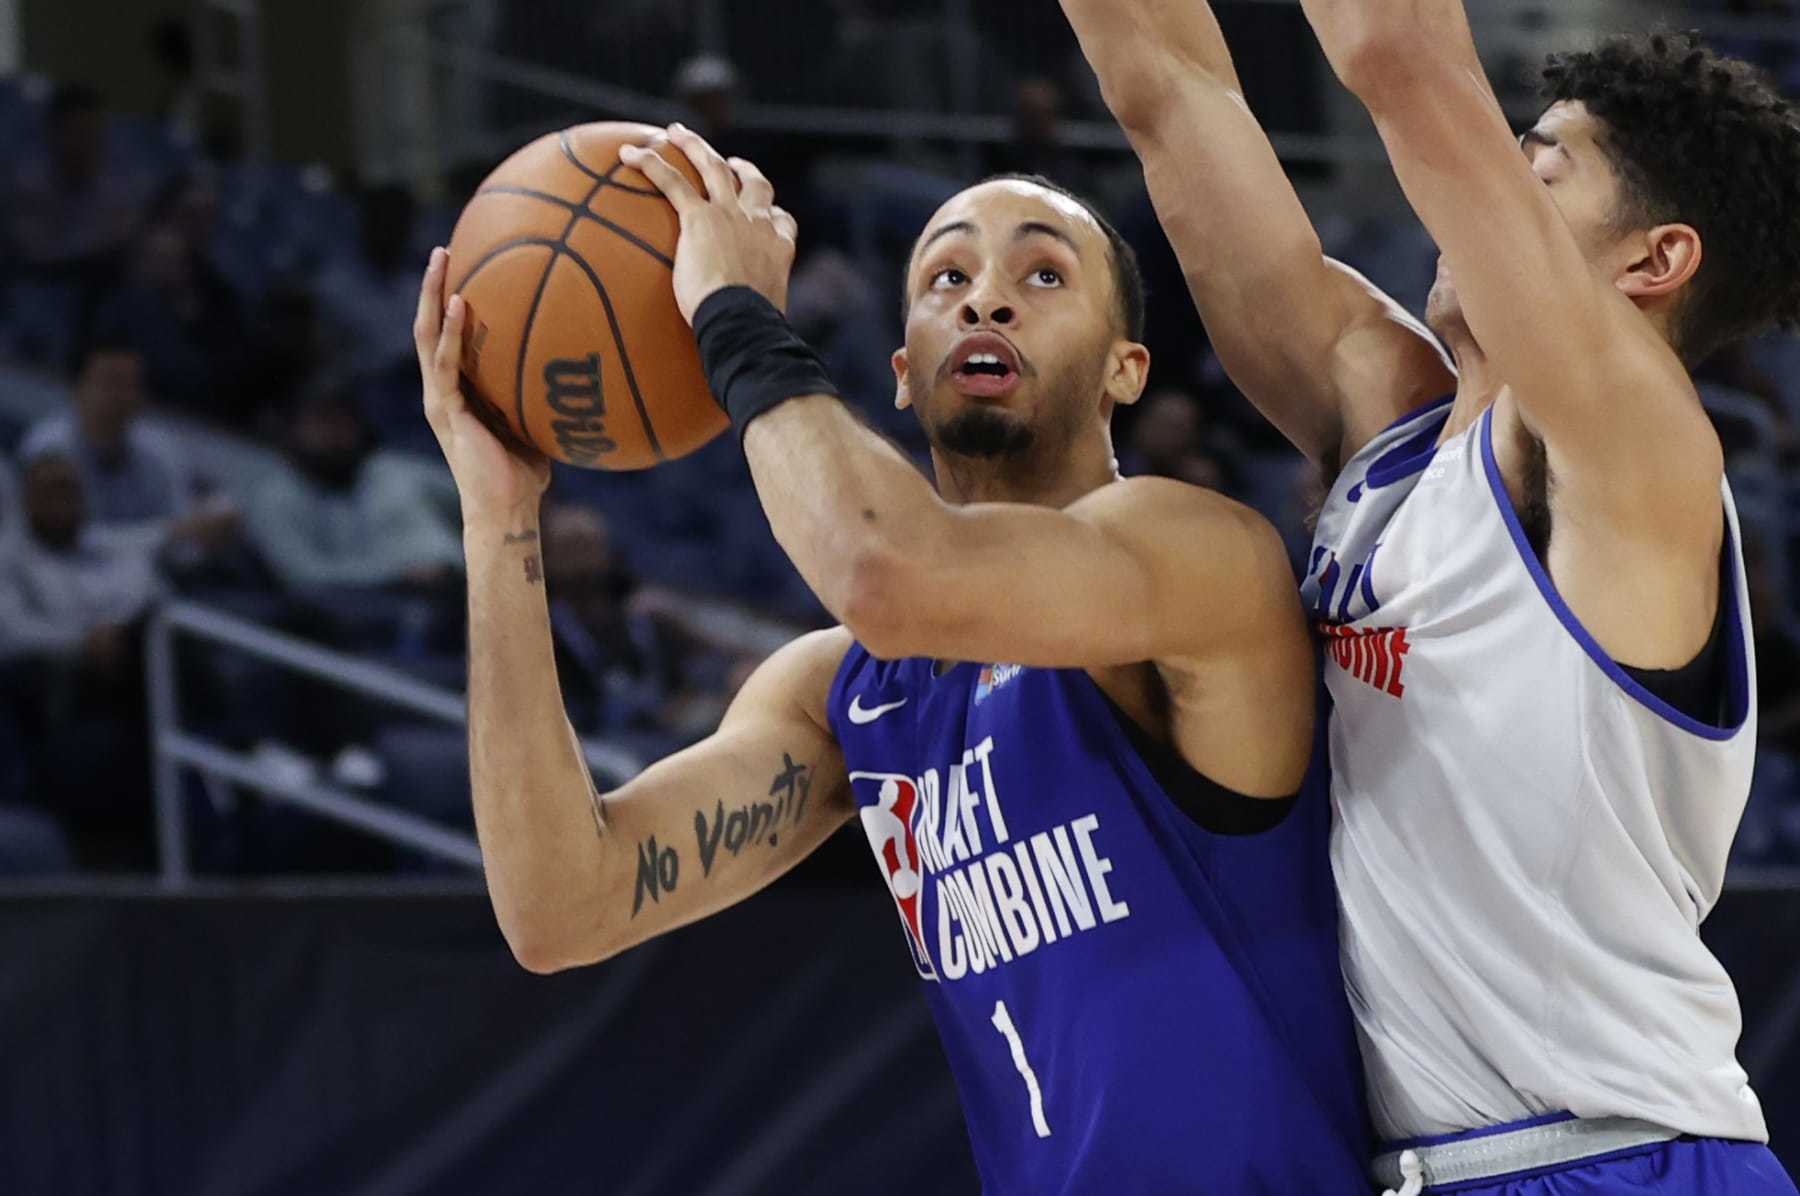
(1477, 383)
(1048, 476)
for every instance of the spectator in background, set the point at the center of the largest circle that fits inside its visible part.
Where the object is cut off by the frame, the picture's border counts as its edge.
(134, 481)
(180, 99)
(177, 309)
(289, 343)
(69, 215)
(12, 521)
(361, 535)
(73, 211)
(617, 668)
(368, 298)
(1036, 145)
(711, 90)
(72, 605)
(1169, 438)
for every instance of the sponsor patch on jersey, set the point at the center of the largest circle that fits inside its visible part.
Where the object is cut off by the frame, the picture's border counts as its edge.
(992, 677)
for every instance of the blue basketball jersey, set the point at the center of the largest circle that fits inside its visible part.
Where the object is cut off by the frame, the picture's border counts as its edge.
(1129, 1003)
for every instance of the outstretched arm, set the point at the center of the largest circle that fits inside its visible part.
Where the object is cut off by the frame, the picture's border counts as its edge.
(1146, 569)
(1325, 356)
(576, 875)
(1627, 442)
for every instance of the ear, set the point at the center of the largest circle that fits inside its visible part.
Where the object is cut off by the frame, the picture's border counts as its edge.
(1665, 261)
(902, 400)
(1126, 372)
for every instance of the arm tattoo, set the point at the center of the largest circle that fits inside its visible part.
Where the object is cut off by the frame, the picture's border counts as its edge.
(658, 872)
(757, 821)
(534, 569)
(525, 537)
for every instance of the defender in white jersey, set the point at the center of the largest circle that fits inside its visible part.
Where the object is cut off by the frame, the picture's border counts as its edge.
(1528, 571)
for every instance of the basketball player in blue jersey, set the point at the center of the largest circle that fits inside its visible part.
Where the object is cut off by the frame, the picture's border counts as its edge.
(1071, 713)
(1528, 568)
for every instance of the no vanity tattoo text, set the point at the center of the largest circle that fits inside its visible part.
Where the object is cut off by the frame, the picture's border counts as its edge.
(728, 829)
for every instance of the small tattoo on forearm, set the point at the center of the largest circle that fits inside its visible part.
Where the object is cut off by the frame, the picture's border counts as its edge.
(525, 537)
(534, 568)
(756, 821)
(658, 872)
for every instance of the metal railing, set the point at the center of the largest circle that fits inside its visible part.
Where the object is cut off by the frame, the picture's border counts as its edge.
(174, 749)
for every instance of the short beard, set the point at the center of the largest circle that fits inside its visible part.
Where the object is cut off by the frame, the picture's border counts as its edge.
(985, 434)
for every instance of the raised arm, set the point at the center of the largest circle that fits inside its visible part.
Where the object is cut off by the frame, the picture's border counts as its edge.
(1326, 357)
(1626, 440)
(1146, 569)
(576, 875)
(1143, 569)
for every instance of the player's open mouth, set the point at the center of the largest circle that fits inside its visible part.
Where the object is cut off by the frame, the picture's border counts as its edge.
(985, 366)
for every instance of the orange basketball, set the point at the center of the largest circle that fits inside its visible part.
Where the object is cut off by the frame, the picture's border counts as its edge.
(573, 336)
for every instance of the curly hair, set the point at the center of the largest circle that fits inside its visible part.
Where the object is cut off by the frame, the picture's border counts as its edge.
(1703, 139)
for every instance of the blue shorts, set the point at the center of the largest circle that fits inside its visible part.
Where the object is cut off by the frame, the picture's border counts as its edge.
(1691, 1166)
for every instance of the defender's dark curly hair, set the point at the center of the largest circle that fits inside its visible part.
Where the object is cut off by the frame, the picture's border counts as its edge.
(1702, 139)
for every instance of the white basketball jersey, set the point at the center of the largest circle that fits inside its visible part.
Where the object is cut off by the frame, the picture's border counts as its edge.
(1526, 839)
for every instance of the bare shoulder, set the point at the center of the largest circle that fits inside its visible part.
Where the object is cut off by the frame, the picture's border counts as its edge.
(1182, 525)
(1221, 570)
(1384, 365)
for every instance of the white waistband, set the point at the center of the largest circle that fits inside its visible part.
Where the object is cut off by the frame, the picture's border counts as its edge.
(1524, 1149)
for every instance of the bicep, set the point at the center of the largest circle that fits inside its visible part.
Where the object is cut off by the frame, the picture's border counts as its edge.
(713, 824)
(1531, 301)
(1591, 377)
(1312, 344)
(1143, 569)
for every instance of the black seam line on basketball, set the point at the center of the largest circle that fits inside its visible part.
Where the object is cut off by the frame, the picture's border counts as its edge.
(605, 180)
(585, 213)
(556, 252)
(612, 319)
(495, 251)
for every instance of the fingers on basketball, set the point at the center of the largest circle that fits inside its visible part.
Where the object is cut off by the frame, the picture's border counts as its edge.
(665, 178)
(447, 360)
(755, 193)
(431, 297)
(721, 184)
(785, 224)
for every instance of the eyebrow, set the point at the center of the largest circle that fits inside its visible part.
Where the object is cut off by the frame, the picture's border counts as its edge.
(1531, 137)
(1028, 228)
(955, 226)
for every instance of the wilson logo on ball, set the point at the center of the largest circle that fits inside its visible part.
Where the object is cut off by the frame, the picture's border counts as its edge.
(573, 392)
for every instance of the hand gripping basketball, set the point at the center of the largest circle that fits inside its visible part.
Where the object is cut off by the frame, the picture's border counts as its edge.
(733, 235)
(497, 479)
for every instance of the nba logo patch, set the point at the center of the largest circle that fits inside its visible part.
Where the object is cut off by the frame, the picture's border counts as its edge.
(890, 824)
(992, 677)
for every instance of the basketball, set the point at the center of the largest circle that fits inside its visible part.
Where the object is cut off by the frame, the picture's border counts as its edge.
(564, 257)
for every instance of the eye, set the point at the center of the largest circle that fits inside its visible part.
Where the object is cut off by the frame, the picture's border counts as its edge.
(1046, 276)
(949, 276)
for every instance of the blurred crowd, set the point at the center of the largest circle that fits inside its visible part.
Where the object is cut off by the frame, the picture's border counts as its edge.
(208, 393)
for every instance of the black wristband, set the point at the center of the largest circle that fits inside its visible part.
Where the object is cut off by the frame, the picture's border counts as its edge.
(752, 358)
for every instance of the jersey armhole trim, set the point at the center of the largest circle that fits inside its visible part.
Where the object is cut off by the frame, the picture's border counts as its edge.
(854, 657)
(1737, 678)
(1419, 412)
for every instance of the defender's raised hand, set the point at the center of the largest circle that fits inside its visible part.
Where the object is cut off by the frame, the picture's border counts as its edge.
(733, 235)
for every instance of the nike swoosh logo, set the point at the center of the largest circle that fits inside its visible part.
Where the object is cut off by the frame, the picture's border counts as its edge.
(862, 715)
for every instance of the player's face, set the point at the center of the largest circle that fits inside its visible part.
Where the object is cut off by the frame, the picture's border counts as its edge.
(1011, 334)
(1564, 151)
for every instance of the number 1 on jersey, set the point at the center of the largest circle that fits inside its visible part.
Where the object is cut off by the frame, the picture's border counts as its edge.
(1003, 1022)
